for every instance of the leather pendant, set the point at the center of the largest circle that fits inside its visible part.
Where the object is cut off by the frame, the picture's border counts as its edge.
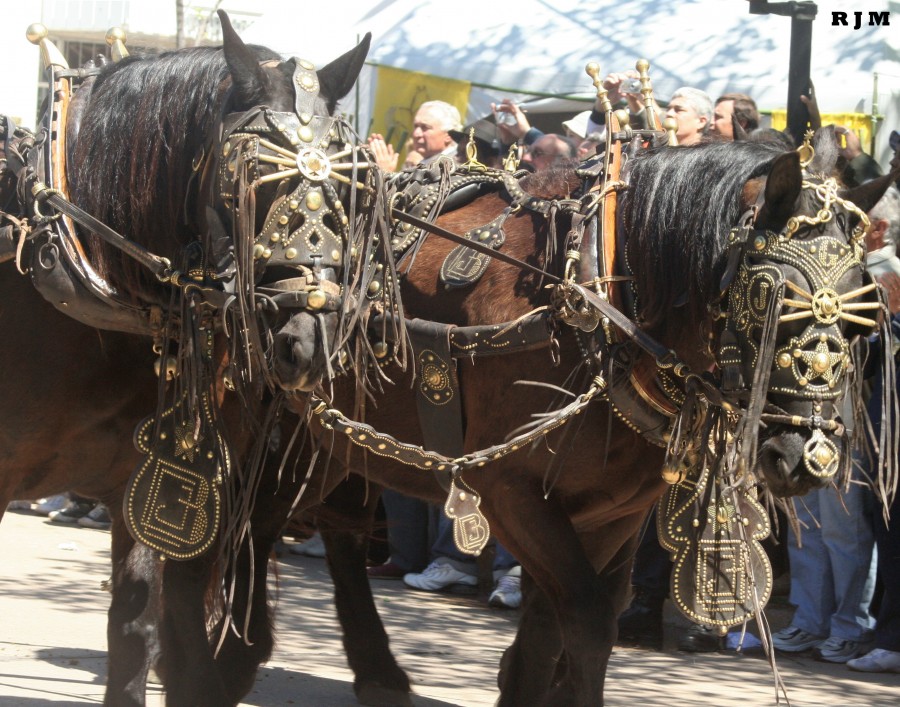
(721, 572)
(172, 502)
(471, 530)
(463, 266)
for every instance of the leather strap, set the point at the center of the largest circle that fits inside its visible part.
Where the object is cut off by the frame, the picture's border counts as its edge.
(438, 397)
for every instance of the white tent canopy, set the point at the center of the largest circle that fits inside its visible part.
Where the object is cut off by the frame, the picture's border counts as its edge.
(542, 47)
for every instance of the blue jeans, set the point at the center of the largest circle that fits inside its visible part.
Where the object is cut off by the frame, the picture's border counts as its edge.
(410, 530)
(832, 574)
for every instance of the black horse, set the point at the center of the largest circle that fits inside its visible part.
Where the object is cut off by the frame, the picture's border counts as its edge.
(181, 155)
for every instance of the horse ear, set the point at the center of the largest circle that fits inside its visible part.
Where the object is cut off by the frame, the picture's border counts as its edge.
(739, 133)
(867, 195)
(338, 77)
(246, 74)
(783, 187)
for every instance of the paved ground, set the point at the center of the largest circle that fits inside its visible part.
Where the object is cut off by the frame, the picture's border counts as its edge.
(52, 642)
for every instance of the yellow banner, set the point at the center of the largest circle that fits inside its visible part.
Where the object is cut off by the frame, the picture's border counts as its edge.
(399, 95)
(860, 123)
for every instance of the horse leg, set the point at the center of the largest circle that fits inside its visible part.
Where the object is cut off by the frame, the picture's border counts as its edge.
(242, 652)
(378, 680)
(529, 665)
(585, 604)
(589, 628)
(132, 625)
(190, 675)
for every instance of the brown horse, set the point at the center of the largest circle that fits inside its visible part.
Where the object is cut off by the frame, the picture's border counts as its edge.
(569, 505)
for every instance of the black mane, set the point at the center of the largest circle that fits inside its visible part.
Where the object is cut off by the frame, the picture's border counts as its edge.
(679, 206)
(147, 119)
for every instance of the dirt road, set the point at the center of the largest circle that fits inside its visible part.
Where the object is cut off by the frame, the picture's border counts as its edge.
(52, 642)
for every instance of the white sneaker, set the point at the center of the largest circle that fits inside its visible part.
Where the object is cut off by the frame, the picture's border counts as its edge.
(878, 660)
(313, 547)
(440, 574)
(46, 506)
(508, 592)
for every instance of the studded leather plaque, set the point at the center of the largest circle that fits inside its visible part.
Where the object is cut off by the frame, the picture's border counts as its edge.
(172, 502)
(464, 266)
(721, 573)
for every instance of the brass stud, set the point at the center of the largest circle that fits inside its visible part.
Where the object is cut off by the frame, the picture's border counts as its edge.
(316, 299)
(374, 287)
(275, 237)
(821, 363)
(305, 134)
(803, 382)
(308, 65)
(784, 360)
(380, 349)
(759, 242)
(258, 251)
(335, 255)
(314, 200)
(290, 253)
(294, 204)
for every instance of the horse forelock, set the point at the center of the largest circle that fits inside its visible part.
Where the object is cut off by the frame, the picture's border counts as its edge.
(677, 211)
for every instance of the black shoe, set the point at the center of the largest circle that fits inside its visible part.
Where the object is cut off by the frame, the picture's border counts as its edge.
(701, 639)
(641, 623)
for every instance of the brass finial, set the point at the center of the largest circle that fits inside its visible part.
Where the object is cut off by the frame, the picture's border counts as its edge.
(806, 151)
(593, 70)
(115, 38)
(643, 69)
(511, 161)
(670, 125)
(623, 116)
(472, 153)
(50, 56)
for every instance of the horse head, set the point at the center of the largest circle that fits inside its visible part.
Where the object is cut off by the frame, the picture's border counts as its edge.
(761, 251)
(287, 145)
(228, 163)
(799, 301)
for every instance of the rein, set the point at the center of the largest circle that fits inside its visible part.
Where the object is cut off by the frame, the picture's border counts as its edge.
(664, 357)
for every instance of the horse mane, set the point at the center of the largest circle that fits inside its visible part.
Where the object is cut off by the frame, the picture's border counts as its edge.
(147, 119)
(552, 183)
(677, 211)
